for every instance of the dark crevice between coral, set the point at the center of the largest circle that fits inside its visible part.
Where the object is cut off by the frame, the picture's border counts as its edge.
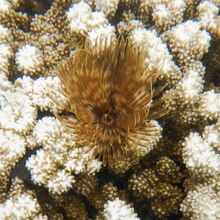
(92, 212)
(12, 68)
(32, 7)
(106, 176)
(118, 16)
(168, 131)
(20, 170)
(42, 114)
(211, 61)
(142, 209)
(191, 10)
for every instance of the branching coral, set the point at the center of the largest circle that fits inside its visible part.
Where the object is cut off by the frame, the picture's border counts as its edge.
(201, 157)
(21, 203)
(109, 91)
(202, 202)
(29, 59)
(16, 111)
(12, 149)
(82, 19)
(159, 188)
(187, 41)
(108, 7)
(42, 92)
(52, 166)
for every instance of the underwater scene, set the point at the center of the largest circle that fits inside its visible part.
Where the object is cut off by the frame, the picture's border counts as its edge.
(109, 109)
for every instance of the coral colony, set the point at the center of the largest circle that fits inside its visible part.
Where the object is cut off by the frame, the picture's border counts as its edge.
(109, 109)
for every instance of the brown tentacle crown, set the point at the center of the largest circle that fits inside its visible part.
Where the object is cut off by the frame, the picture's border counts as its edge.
(109, 92)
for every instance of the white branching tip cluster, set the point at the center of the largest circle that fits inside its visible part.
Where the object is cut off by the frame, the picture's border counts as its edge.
(118, 209)
(29, 59)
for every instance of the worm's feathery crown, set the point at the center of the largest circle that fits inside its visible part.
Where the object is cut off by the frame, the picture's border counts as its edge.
(109, 93)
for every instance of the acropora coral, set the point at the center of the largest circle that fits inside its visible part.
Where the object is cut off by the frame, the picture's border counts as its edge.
(82, 87)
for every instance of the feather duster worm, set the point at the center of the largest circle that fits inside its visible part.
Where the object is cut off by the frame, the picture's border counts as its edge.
(110, 95)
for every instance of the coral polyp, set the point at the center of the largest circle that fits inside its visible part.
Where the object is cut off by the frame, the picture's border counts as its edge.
(109, 91)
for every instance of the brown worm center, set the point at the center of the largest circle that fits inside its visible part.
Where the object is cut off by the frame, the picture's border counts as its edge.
(107, 119)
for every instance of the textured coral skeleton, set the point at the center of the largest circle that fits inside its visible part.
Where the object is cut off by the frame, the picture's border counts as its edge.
(110, 95)
(50, 171)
